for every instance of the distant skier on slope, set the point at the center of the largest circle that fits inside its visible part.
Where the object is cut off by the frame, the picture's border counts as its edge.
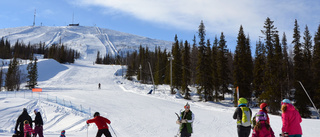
(243, 116)
(63, 132)
(186, 121)
(101, 123)
(99, 86)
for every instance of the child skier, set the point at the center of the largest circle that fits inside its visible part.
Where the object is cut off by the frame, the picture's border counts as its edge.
(262, 128)
(263, 108)
(243, 115)
(63, 132)
(101, 123)
(27, 129)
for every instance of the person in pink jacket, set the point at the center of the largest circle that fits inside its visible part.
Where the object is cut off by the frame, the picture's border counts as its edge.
(291, 119)
(262, 128)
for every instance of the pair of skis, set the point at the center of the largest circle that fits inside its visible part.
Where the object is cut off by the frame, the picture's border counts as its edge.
(179, 118)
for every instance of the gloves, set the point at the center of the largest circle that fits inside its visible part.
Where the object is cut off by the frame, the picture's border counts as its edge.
(184, 121)
(178, 122)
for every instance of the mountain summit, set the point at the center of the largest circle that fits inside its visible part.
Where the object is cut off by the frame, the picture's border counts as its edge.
(86, 40)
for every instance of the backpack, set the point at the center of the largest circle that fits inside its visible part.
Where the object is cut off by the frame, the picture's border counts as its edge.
(246, 117)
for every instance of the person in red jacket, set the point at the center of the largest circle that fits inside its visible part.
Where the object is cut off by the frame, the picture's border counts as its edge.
(262, 128)
(291, 119)
(265, 108)
(101, 123)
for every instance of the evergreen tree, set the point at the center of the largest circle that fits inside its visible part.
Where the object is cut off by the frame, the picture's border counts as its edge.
(223, 71)
(286, 68)
(214, 65)
(208, 86)
(243, 65)
(272, 93)
(258, 70)
(299, 73)
(12, 81)
(186, 70)
(176, 65)
(316, 66)
(307, 57)
(193, 61)
(201, 60)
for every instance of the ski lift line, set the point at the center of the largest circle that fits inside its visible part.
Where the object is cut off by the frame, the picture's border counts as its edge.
(309, 98)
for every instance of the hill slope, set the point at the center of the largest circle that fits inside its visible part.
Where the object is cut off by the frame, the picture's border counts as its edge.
(132, 112)
(86, 40)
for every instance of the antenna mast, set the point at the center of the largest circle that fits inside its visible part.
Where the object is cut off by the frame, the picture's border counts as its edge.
(34, 18)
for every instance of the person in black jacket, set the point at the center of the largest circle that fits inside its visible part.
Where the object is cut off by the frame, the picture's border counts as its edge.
(38, 129)
(243, 116)
(24, 116)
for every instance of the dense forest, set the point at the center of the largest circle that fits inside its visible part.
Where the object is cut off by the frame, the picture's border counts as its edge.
(271, 75)
(13, 76)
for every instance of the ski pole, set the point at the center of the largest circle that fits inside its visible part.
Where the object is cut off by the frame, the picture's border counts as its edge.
(87, 130)
(309, 98)
(113, 131)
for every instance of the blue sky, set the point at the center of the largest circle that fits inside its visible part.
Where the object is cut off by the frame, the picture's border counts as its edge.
(162, 19)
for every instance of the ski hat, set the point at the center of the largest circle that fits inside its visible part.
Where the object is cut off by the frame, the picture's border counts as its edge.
(24, 109)
(36, 110)
(242, 101)
(261, 116)
(96, 114)
(263, 105)
(287, 101)
(63, 132)
(187, 106)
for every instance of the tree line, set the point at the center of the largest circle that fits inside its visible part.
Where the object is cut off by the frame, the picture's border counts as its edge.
(14, 77)
(272, 74)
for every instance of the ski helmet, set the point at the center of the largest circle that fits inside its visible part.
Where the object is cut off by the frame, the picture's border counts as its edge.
(286, 101)
(187, 106)
(261, 116)
(96, 114)
(263, 105)
(242, 101)
(36, 110)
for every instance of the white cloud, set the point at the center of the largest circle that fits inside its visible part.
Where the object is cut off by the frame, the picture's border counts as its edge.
(218, 15)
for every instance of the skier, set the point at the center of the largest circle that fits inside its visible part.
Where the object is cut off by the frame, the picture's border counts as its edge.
(63, 132)
(24, 116)
(27, 129)
(262, 127)
(243, 115)
(263, 108)
(101, 123)
(99, 86)
(38, 122)
(291, 120)
(186, 121)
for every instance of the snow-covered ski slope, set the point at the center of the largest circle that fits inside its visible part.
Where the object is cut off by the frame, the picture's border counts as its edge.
(86, 40)
(133, 113)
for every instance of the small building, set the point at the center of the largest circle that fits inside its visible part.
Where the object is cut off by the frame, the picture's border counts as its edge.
(73, 24)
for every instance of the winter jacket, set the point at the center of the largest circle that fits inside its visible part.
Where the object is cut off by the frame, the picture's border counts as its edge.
(238, 115)
(100, 121)
(189, 116)
(263, 132)
(38, 120)
(27, 129)
(291, 120)
(24, 116)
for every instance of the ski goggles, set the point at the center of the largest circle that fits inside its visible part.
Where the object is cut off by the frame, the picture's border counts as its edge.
(186, 107)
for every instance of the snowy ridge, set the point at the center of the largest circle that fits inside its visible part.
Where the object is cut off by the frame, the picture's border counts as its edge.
(86, 40)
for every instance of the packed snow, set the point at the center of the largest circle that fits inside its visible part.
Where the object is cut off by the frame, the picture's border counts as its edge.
(131, 110)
